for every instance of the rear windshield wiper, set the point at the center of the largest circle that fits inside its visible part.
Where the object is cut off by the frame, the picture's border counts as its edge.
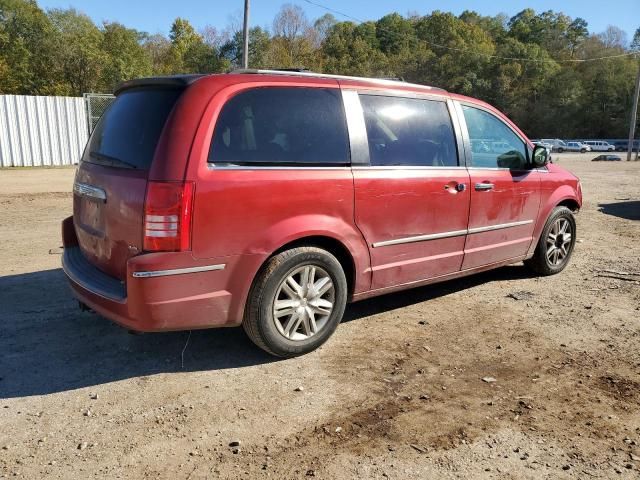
(111, 161)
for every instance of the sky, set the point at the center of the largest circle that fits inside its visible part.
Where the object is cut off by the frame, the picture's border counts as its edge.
(156, 16)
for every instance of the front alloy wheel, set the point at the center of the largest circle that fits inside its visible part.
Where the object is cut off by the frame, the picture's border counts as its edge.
(556, 243)
(559, 241)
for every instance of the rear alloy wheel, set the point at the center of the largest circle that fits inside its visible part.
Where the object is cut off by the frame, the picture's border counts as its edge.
(556, 243)
(303, 303)
(296, 302)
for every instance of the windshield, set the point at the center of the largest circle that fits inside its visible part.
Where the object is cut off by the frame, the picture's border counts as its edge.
(127, 134)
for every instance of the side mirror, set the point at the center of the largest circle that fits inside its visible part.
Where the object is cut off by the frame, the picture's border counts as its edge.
(540, 156)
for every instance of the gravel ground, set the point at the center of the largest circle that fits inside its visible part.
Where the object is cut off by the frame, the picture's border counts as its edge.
(398, 392)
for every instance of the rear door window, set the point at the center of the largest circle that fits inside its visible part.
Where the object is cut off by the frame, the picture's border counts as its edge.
(127, 134)
(493, 143)
(409, 132)
(282, 126)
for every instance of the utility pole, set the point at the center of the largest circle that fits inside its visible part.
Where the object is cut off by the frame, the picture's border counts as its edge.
(634, 113)
(245, 37)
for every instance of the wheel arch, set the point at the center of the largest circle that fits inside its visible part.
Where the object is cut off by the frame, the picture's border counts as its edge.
(331, 245)
(565, 196)
(570, 203)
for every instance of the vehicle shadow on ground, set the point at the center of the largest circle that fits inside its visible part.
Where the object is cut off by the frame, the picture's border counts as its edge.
(629, 210)
(393, 301)
(47, 345)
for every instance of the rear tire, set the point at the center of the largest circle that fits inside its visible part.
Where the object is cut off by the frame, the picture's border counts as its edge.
(556, 243)
(296, 302)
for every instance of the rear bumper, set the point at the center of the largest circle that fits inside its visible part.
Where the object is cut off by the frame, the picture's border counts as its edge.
(162, 291)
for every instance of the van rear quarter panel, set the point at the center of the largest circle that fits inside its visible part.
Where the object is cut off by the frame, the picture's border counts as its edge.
(252, 212)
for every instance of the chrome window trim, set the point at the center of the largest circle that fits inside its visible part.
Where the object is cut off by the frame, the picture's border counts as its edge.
(89, 191)
(503, 168)
(405, 167)
(453, 233)
(379, 92)
(356, 128)
(457, 132)
(177, 271)
(213, 166)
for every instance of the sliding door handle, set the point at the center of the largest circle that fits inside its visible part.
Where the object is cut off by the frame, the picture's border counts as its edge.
(484, 186)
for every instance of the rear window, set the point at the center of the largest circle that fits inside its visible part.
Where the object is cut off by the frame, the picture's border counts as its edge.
(282, 126)
(127, 134)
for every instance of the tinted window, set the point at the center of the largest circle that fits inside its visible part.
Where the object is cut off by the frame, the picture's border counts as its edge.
(128, 132)
(493, 143)
(282, 126)
(407, 131)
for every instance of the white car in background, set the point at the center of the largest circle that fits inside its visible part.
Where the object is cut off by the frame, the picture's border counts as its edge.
(577, 147)
(600, 145)
(556, 144)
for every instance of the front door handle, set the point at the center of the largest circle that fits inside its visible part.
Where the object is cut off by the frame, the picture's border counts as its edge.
(484, 186)
(458, 187)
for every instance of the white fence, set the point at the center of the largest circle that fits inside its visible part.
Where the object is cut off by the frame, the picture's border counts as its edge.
(40, 131)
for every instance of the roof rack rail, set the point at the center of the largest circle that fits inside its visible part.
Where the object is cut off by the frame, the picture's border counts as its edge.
(306, 73)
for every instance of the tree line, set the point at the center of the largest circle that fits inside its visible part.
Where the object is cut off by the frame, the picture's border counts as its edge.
(527, 65)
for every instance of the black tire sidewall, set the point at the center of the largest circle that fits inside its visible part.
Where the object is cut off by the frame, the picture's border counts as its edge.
(274, 340)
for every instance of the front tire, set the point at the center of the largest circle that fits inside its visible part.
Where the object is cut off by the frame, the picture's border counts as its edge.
(296, 302)
(556, 243)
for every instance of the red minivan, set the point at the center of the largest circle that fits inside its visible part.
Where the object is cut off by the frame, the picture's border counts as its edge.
(270, 199)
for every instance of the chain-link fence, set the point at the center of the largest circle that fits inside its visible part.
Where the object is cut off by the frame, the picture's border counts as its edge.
(96, 104)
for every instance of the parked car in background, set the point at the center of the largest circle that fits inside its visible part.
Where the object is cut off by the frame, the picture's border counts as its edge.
(557, 145)
(270, 199)
(623, 145)
(607, 158)
(577, 147)
(599, 146)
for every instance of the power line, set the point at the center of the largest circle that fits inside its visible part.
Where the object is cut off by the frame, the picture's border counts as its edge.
(488, 55)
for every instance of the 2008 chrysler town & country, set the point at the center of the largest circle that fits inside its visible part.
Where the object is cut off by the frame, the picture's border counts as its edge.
(271, 199)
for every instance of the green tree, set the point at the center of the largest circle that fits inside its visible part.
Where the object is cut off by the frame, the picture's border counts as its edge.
(79, 55)
(259, 43)
(635, 42)
(162, 57)
(125, 56)
(183, 36)
(27, 44)
(348, 50)
(463, 51)
(189, 53)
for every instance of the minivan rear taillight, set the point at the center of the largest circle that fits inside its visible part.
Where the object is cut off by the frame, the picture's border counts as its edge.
(167, 216)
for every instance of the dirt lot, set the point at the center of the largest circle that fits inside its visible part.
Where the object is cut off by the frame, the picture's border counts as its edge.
(397, 393)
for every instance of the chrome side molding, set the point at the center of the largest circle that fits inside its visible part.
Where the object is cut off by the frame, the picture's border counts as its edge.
(177, 271)
(420, 238)
(489, 228)
(89, 191)
(453, 233)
